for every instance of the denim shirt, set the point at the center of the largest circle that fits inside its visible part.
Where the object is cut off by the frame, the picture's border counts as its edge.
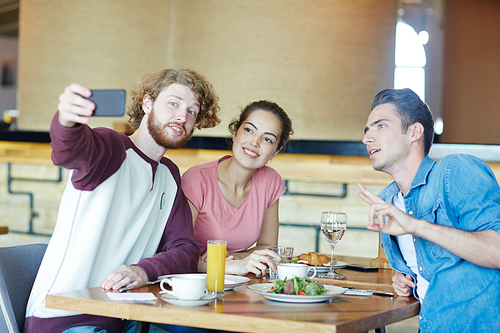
(461, 192)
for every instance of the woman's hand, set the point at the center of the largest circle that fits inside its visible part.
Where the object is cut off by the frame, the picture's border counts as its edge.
(257, 262)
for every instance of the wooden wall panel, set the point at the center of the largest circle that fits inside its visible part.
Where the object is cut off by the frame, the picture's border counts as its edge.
(471, 80)
(322, 60)
(99, 44)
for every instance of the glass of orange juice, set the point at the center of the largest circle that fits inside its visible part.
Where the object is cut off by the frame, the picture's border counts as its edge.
(216, 266)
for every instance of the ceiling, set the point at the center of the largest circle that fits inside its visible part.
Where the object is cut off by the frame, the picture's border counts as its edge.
(9, 18)
(433, 7)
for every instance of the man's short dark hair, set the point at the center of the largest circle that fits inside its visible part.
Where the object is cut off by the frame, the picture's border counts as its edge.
(410, 109)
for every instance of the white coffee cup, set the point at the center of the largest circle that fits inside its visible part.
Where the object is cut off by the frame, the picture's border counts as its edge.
(288, 271)
(185, 286)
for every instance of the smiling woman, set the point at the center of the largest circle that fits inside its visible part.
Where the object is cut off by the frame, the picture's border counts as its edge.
(235, 198)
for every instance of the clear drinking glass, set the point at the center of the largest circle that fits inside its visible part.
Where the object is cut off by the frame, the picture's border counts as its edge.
(286, 254)
(333, 226)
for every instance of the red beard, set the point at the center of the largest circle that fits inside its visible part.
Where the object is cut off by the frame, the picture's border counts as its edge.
(159, 133)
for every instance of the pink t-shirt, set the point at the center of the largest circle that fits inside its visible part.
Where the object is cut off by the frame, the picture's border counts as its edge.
(217, 219)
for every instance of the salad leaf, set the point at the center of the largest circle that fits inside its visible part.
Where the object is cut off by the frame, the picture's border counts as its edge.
(309, 287)
(297, 284)
(314, 288)
(278, 287)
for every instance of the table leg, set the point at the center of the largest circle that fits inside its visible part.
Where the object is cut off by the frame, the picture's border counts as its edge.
(142, 327)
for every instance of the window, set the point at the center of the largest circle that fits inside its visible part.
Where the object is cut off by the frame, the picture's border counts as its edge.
(410, 60)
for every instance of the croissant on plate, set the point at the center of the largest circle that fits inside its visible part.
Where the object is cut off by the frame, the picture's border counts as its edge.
(314, 259)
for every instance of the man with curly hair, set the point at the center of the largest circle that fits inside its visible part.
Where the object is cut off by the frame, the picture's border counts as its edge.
(123, 218)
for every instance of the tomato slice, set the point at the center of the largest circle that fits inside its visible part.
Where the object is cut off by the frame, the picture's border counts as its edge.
(302, 292)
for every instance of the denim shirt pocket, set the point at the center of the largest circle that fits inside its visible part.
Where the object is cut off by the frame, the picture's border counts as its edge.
(435, 212)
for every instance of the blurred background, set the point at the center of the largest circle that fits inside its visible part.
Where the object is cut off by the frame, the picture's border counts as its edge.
(321, 60)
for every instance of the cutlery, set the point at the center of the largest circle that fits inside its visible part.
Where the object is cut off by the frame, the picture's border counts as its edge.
(127, 288)
(372, 292)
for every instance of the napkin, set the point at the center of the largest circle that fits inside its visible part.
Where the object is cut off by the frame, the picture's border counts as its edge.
(131, 296)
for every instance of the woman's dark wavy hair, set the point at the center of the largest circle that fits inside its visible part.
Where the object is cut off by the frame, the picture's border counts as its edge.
(410, 109)
(271, 107)
(153, 83)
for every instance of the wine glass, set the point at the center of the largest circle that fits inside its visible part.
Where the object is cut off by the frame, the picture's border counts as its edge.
(333, 226)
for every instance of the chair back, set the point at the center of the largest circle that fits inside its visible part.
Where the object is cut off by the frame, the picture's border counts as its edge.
(18, 268)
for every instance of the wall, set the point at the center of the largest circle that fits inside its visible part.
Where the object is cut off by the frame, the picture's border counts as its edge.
(99, 44)
(321, 60)
(8, 56)
(306, 210)
(471, 99)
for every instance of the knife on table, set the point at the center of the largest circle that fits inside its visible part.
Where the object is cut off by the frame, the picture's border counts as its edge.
(363, 292)
(128, 287)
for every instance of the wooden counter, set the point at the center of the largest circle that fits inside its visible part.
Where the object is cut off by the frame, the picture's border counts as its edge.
(342, 169)
(314, 167)
(25, 152)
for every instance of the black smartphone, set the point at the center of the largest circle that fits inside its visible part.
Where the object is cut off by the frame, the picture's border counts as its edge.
(361, 268)
(109, 103)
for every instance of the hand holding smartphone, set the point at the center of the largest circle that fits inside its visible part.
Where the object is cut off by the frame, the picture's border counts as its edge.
(109, 103)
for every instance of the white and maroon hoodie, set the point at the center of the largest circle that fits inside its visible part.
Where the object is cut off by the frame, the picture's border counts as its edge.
(119, 207)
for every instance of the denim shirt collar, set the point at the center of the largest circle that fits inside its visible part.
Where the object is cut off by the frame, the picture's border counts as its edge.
(419, 179)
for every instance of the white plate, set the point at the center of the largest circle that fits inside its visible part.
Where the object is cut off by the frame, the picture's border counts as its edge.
(263, 288)
(197, 302)
(230, 281)
(321, 270)
(339, 264)
(233, 281)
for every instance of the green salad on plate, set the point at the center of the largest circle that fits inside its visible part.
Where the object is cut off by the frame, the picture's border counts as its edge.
(297, 286)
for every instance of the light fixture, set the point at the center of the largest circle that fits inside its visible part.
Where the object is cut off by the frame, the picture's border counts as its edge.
(438, 126)
(423, 36)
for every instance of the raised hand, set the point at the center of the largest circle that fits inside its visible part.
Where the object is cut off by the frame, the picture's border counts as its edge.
(73, 107)
(385, 217)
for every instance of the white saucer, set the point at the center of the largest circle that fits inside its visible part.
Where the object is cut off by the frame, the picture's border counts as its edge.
(180, 302)
(230, 281)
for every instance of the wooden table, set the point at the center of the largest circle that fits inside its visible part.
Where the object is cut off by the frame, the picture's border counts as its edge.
(242, 310)
(381, 280)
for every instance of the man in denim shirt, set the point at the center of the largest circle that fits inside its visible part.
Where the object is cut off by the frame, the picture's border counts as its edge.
(440, 221)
